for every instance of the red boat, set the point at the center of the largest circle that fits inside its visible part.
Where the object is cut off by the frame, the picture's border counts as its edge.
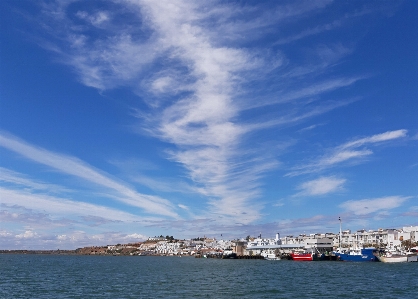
(302, 256)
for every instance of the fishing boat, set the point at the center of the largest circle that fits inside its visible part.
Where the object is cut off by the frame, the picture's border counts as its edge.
(355, 254)
(362, 255)
(305, 256)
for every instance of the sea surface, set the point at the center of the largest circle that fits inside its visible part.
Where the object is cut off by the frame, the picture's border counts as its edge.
(66, 276)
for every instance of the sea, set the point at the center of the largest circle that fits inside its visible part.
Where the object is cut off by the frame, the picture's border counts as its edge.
(76, 276)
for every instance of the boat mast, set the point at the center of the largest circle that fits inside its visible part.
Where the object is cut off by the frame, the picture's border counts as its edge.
(339, 218)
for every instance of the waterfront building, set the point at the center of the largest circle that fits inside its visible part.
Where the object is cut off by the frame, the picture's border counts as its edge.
(239, 247)
(318, 245)
(313, 243)
(382, 238)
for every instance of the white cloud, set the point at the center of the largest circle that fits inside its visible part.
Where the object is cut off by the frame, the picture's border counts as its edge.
(15, 178)
(341, 156)
(75, 167)
(162, 84)
(325, 27)
(309, 32)
(390, 135)
(201, 125)
(369, 206)
(183, 207)
(96, 19)
(347, 152)
(321, 186)
(60, 207)
(27, 235)
(135, 236)
(279, 203)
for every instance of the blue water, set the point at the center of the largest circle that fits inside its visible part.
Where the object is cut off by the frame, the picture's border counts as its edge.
(60, 276)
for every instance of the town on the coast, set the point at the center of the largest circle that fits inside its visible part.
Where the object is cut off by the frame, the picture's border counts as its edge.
(384, 245)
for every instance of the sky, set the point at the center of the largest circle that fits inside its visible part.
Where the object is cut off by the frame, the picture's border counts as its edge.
(126, 119)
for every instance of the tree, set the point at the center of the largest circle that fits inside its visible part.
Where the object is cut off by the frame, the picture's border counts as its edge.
(407, 244)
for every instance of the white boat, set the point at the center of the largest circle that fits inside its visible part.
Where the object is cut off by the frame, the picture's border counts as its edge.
(393, 258)
(271, 257)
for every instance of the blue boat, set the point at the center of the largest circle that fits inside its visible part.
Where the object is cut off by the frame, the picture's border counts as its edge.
(364, 255)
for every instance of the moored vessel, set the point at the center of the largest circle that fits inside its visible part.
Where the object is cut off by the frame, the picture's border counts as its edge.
(397, 257)
(393, 258)
(306, 256)
(272, 257)
(364, 255)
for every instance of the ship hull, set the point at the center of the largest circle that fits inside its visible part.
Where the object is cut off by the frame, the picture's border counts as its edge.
(366, 255)
(301, 257)
(393, 259)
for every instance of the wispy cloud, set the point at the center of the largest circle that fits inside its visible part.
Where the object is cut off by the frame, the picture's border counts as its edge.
(348, 151)
(309, 128)
(346, 18)
(14, 178)
(310, 31)
(326, 27)
(279, 203)
(79, 169)
(369, 206)
(189, 63)
(202, 125)
(413, 212)
(17, 214)
(375, 138)
(321, 186)
(59, 208)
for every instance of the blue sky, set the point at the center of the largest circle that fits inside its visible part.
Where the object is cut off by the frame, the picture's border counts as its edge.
(121, 120)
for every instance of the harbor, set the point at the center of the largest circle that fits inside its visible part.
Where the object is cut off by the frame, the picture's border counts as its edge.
(382, 245)
(390, 246)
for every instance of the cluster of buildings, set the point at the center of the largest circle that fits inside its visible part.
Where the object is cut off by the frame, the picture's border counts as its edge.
(391, 239)
(381, 238)
(184, 247)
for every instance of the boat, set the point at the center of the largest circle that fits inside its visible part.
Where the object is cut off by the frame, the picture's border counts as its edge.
(227, 255)
(362, 255)
(271, 257)
(305, 256)
(397, 257)
(356, 254)
(393, 258)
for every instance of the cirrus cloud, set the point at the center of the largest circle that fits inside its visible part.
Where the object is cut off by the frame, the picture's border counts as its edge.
(369, 206)
(321, 186)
